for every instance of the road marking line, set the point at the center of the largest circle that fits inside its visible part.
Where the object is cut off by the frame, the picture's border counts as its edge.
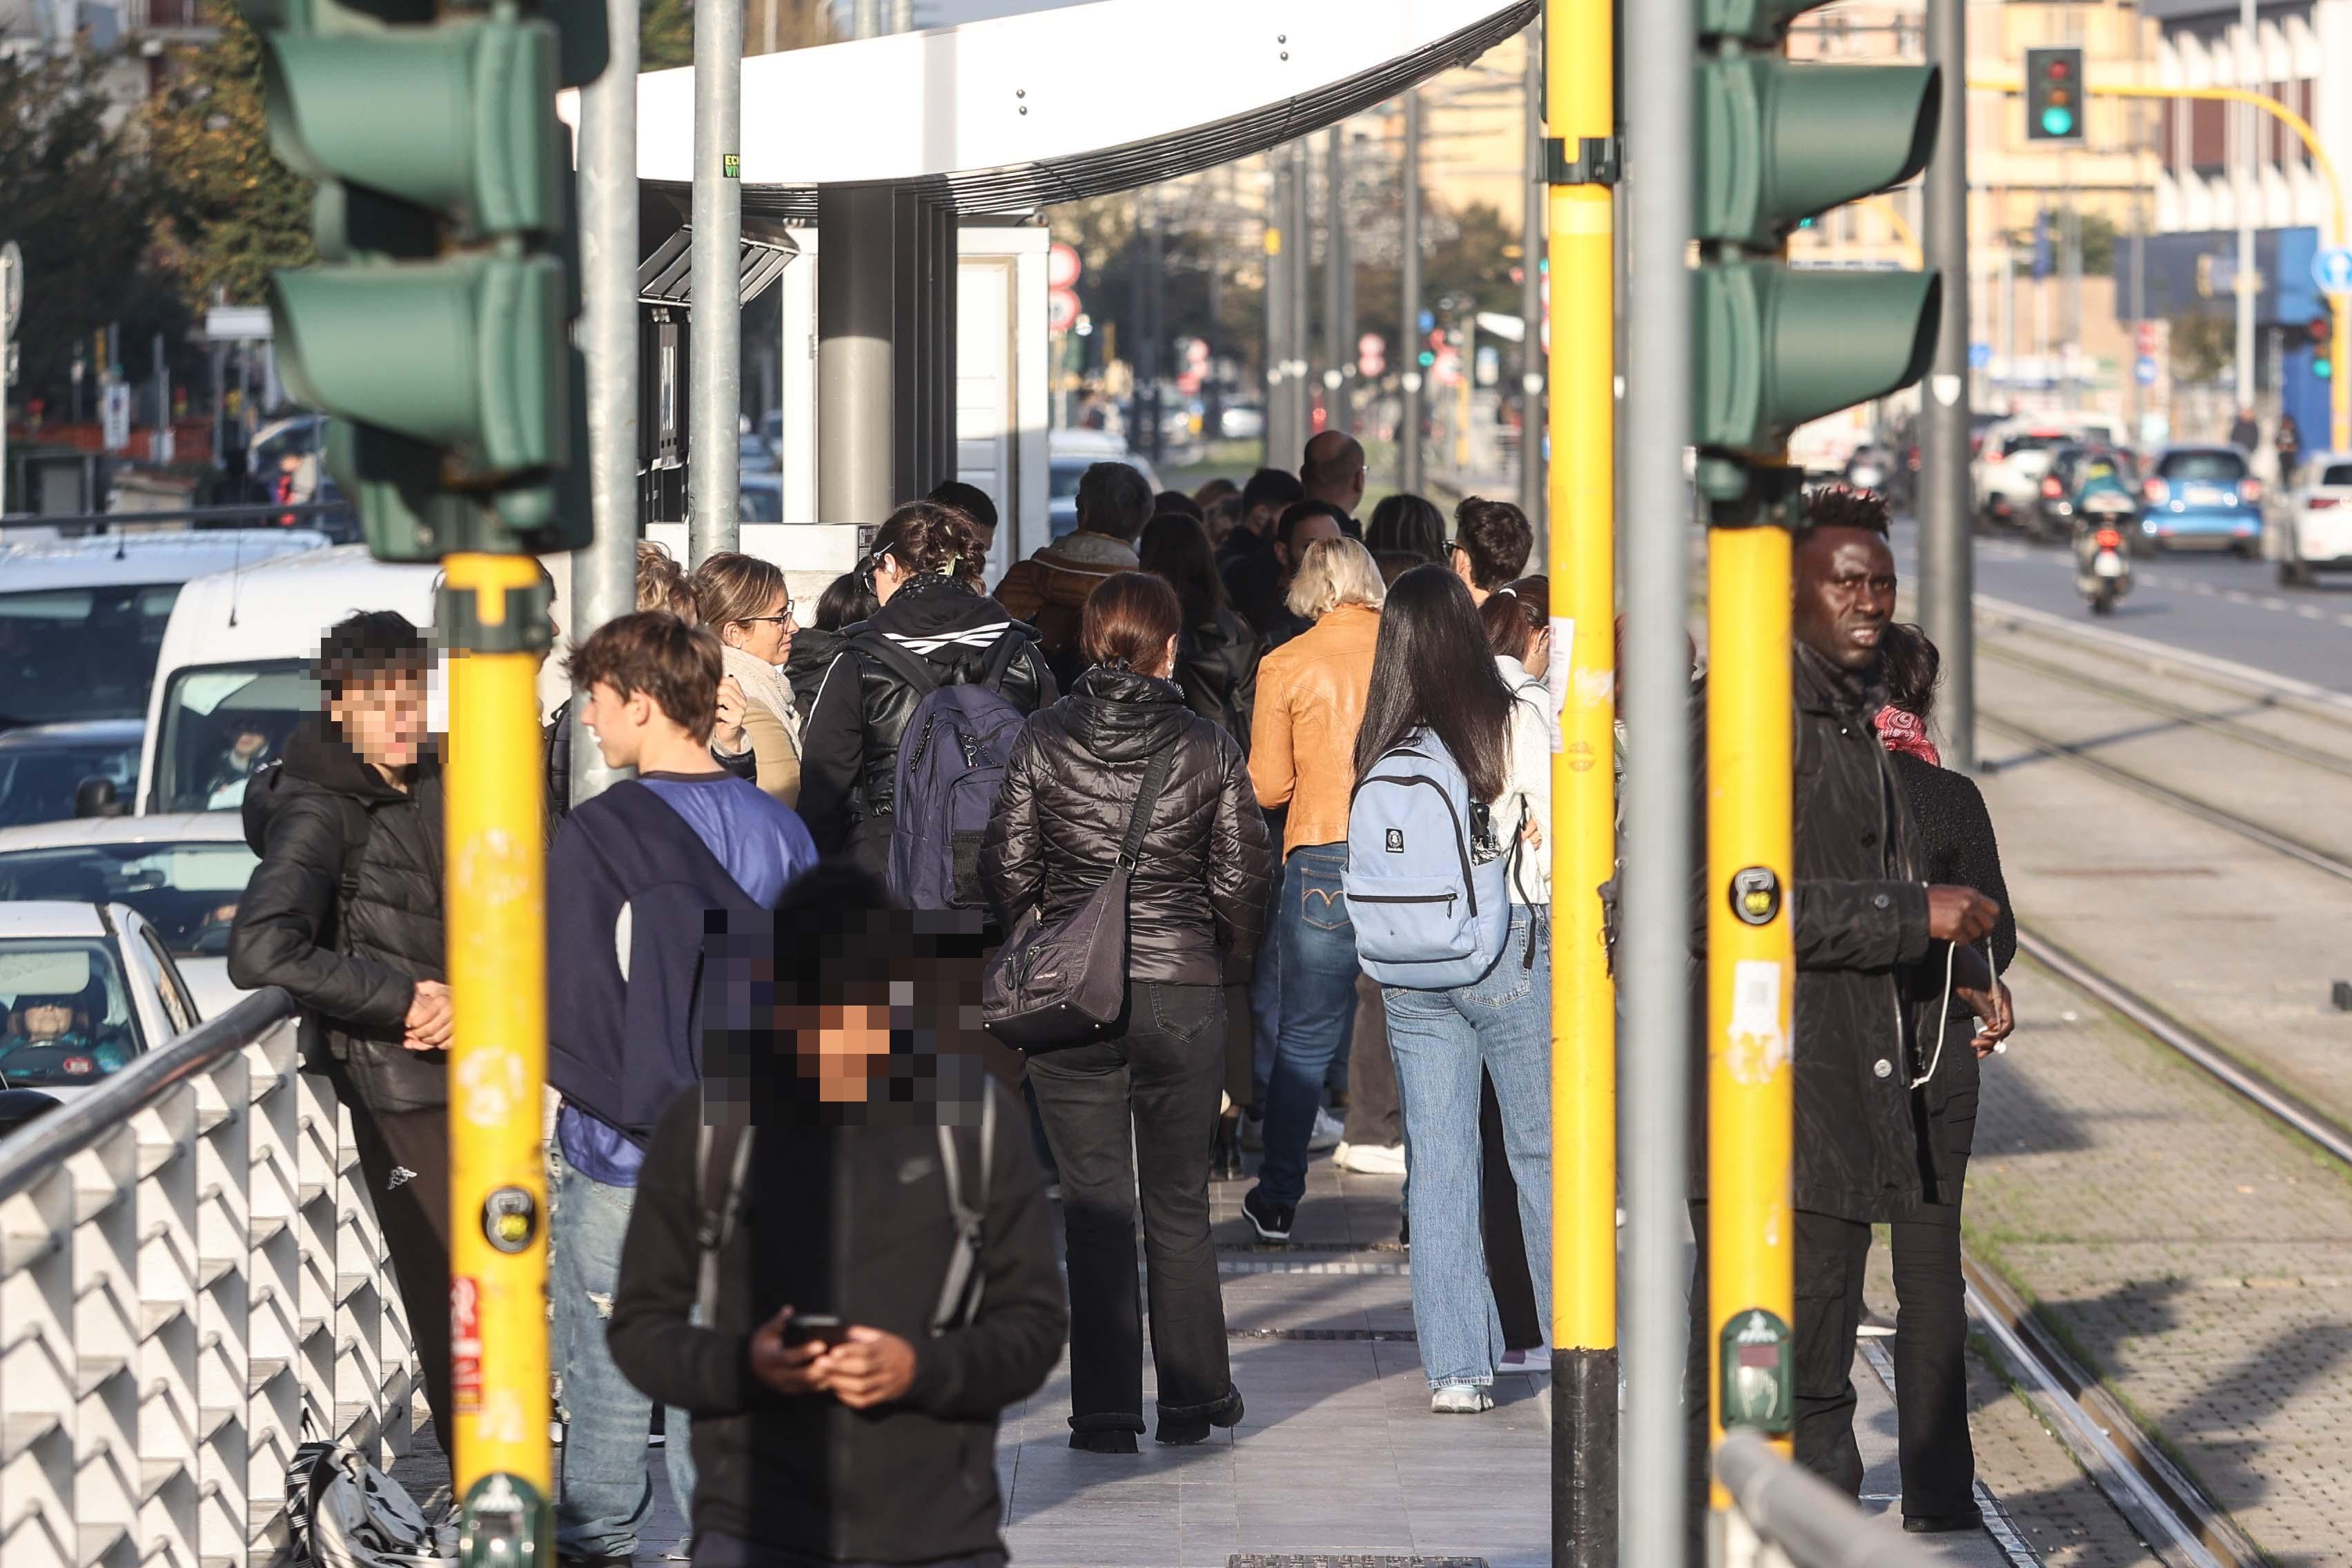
(2237, 596)
(2273, 604)
(2310, 611)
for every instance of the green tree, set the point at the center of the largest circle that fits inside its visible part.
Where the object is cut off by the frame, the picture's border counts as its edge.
(231, 213)
(77, 197)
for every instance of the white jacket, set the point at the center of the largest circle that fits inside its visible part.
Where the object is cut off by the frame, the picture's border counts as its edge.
(1526, 788)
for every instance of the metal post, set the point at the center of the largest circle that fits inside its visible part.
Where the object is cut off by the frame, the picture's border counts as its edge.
(1337, 348)
(8, 335)
(1409, 470)
(1302, 306)
(2249, 77)
(1947, 550)
(1281, 245)
(1581, 121)
(715, 279)
(160, 444)
(1531, 277)
(855, 364)
(603, 575)
(1653, 949)
(865, 18)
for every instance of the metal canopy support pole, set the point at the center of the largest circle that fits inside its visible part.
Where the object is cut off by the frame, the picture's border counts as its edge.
(603, 575)
(1580, 169)
(1337, 350)
(1653, 951)
(1281, 246)
(2248, 72)
(1946, 548)
(1532, 423)
(1409, 470)
(1302, 310)
(715, 276)
(854, 358)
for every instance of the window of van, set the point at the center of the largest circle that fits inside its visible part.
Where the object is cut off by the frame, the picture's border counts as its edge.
(80, 653)
(222, 722)
(2226, 466)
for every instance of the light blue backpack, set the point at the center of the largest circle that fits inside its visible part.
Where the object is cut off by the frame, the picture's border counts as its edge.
(1429, 913)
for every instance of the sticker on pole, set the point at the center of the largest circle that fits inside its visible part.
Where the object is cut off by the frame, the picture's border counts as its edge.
(466, 1344)
(1757, 1392)
(509, 1220)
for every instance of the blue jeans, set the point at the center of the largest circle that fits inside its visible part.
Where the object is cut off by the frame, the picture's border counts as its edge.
(1317, 943)
(1440, 1039)
(605, 1488)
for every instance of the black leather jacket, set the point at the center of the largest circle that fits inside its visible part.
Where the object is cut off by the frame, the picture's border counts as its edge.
(849, 747)
(1199, 887)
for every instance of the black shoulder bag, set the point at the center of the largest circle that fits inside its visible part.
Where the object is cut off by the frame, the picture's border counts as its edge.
(1061, 984)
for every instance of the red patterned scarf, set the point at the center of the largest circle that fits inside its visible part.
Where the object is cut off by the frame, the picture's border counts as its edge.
(1905, 732)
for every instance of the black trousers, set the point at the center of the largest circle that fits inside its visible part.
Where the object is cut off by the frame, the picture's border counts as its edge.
(1931, 1377)
(1830, 1256)
(1157, 1084)
(1506, 1243)
(405, 1158)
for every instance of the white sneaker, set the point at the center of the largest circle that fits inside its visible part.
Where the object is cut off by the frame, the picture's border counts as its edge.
(1461, 1399)
(1370, 1158)
(1327, 1134)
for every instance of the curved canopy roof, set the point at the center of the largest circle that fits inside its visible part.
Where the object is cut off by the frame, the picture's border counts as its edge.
(1020, 111)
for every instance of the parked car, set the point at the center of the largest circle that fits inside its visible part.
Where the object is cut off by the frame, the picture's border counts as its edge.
(2202, 496)
(53, 772)
(2317, 534)
(85, 988)
(1242, 422)
(1069, 454)
(82, 619)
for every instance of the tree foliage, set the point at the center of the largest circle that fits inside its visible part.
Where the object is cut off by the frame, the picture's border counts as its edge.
(75, 196)
(666, 29)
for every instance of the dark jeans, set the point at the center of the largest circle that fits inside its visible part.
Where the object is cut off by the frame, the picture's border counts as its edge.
(1830, 1256)
(1317, 944)
(1374, 1113)
(405, 1158)
(1506, 1243)
(1156, 1083)
(1931, 1373)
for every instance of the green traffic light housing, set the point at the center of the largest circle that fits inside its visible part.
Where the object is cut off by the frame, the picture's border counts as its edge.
(1777, 347)
(1781, 141)
(1755, 21)
(2053, 94)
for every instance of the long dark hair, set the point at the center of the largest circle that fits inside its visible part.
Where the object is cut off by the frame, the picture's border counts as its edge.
(1405, 522)
(1176, 547)
(1430, 668)
(1911, 668)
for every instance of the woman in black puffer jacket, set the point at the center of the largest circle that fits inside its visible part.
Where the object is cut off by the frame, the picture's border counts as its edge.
(1198, 891)
(925, 570)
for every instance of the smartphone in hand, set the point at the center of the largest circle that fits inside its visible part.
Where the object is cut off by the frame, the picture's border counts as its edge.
(812, 1328)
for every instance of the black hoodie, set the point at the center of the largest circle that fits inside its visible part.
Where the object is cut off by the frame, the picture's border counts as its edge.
(346, 940)
(849, 747)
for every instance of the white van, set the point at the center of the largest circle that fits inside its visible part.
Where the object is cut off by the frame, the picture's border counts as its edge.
(236, 656)
(82, 620)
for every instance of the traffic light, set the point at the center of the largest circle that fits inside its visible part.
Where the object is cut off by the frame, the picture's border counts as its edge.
(1780, 142)
(2053, 95)
(2322, 333)
(436, 332)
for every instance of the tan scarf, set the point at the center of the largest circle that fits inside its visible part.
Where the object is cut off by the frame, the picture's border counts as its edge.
(762, 684)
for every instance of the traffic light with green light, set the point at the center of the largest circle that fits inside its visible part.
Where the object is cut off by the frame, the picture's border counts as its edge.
(2053, 95)
(435, 330)
(2322, 333)
(1780, 142)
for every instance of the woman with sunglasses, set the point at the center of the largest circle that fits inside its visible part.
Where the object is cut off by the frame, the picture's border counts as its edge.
(745, 601)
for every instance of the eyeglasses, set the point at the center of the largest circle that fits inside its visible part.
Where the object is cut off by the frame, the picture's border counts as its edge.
(778, 620)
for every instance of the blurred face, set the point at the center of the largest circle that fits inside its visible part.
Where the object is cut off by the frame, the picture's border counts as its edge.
(841, 1044)
(384, 721)
(767, 636)
(1319, 526)
(1845, 594)
(247, 743)
(47, 1020)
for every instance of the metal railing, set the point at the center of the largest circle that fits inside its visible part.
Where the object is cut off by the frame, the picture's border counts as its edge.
(1785, 1517)
(191, 1283)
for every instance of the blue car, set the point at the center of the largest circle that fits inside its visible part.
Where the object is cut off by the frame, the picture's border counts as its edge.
(2204, 496)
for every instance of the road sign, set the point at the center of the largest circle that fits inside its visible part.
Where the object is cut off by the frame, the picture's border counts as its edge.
(236, 323)
(1979, 355)
(1062, 266)
(114, 417)
(12, 289)
(2145, 370)
(1061, 309)
(2332, 269)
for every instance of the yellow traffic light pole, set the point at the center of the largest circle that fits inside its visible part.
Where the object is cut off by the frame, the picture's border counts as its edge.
(494, 623)
(1581, 158)
(2339, 392)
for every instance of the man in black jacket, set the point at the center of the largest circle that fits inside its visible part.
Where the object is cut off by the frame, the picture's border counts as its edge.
(865, 1433)
(1870, 939)
(344, 911)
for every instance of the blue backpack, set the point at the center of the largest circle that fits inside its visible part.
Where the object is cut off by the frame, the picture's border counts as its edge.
(1429, 914)
(951, 762)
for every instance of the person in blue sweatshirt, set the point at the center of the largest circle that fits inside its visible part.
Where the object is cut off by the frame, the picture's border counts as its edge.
(629, 882)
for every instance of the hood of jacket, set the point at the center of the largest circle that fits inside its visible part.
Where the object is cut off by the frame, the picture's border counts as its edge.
(318, 760)
(1122, 716)
(944, 619)
(1088, 549)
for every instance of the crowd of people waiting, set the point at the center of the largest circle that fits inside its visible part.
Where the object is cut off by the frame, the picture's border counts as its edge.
(1197, 694)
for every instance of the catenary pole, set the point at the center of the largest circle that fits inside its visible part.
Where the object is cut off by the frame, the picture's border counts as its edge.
(1652, 952)
(715, 277)
(1581, 160)
(1947, 549)
(1409, 339)
(2246, 67)
(1338, 338)
(603, 575)
(1532, 495)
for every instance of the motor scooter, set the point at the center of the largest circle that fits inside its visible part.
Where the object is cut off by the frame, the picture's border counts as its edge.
(2103, 569)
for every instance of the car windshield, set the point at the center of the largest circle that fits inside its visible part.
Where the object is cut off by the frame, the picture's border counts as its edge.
(37, 782)
(2337, 474)
(2013, 445)
(80, 653)
(2228, 468)
(222, 722)
(187, 890)
(69, 1014)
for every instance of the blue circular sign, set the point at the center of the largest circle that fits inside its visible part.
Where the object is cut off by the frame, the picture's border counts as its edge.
(2332, 269)
(2145, 370)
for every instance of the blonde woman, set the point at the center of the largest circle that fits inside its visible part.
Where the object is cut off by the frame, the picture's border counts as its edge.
(746, 602)
(1310, 698)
